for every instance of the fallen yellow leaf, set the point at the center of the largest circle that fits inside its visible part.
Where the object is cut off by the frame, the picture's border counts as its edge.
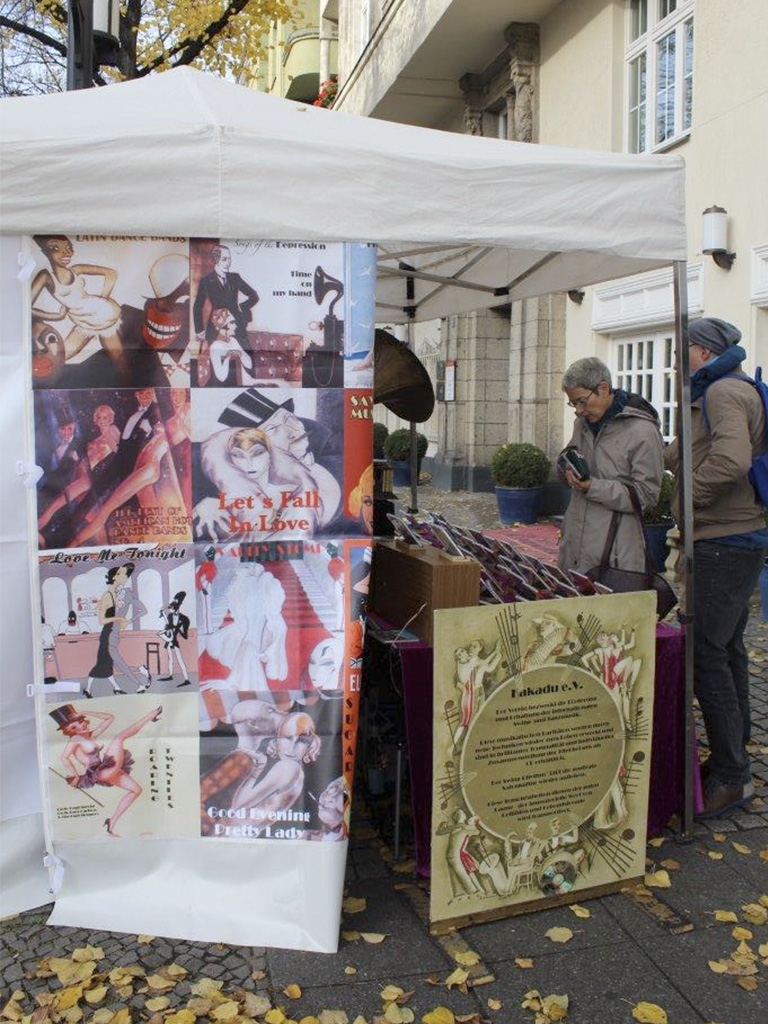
(12, 1009)
(555, 1007)
(763, 949)
(183, 1016)
(70, 972)
(649, 1013)
(175, 971)
(390, 993)
(559, 934)
(495, 1004)
(293, 991)
(523, 962)
(714, 855)
(755, 913)
(255, 1004)
(350, 936)
(395, 1014)
(309, 1020)
(764, 854)
(96, 994)
(102, 1016)
(353, 904)
(73, 1016)
(720, 837)
(658, 880)
(763, 901)
(670, 864)
(725, 915)
(144, 940)
(86, 953)
(275, 1016)
(67, 997)
(657, 841)
(579, 911)
(748, 984)
(160, 982)
(717, 966)
(457, 977)
(467, 958)
(373, 938)
(440, 1015)
(336, 1017)
(228, 1010)
(741, 933)
(741, 848)
(350, 970)
(205, 987)
(157, 1004)
(123, 1016)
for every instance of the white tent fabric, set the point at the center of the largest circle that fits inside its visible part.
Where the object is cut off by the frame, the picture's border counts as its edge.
(184, 152)
(480, 222)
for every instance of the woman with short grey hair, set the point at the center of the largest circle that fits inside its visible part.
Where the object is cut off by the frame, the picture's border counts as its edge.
(617, 434)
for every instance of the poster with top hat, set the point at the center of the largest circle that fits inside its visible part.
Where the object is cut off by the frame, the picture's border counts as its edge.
(281, 313)
(115, 466)
(267, 463)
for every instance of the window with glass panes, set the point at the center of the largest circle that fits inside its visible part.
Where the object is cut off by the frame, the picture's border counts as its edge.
(644, 365)
(659, 72)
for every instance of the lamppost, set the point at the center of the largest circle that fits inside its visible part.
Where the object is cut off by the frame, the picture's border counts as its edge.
(93, 39)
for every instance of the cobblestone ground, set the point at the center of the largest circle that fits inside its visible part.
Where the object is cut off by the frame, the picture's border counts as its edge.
(26, 939)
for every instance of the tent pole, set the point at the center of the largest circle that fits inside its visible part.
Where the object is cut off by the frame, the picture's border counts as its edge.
(680, 276)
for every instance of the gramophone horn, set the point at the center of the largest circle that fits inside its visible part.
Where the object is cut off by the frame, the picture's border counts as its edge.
(324, 283)
(400, 381)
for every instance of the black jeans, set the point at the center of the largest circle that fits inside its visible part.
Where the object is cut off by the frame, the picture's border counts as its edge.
(724, 579)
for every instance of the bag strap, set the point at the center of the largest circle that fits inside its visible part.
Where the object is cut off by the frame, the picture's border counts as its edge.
(736, 376)
(611, 537)
(638, 510)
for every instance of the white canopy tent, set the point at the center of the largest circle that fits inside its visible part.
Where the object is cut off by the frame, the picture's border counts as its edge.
(461, 223)
(184, 153)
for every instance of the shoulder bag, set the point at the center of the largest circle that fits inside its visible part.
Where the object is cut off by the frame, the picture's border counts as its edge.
(622, 581)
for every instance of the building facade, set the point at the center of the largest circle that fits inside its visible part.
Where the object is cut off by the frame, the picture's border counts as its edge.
(634, 76)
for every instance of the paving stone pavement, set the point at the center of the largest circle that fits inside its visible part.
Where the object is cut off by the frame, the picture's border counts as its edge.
(630, 949)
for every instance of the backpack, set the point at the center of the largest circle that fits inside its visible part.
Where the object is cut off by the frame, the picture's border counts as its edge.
(758, 473)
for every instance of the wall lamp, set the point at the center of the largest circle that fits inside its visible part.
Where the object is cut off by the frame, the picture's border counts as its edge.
(576, 295)
(714, 235)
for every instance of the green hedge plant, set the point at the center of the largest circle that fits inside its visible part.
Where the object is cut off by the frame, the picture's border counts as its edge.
(397, 446)
(520, 465)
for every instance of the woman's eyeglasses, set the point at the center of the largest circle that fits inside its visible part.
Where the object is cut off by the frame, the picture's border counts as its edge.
(581, 402)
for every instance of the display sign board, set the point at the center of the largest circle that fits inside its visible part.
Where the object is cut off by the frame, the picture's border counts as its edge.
(542, 741)
(202, 420)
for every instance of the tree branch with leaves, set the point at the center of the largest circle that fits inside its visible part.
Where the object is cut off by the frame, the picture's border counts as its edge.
(227, 37)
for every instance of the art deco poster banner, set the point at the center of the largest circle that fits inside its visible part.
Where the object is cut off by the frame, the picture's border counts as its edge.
(202, 423)
(542, 740)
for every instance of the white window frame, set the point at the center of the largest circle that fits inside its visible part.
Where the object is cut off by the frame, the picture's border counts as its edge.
(652, 378)
(646, 46)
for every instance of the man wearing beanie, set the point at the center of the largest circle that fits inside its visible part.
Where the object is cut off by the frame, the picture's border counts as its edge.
(729, 540)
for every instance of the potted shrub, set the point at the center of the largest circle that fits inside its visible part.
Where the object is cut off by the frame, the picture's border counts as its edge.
(380, 434)
(519, 472)
(657, 519)
(397, 449)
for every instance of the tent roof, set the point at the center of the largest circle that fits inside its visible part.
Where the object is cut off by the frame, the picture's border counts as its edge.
(187, 154)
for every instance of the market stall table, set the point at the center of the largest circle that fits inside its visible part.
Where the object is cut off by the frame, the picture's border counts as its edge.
(667, 759)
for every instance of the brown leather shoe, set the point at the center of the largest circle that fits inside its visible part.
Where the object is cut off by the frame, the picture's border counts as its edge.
(720, 798)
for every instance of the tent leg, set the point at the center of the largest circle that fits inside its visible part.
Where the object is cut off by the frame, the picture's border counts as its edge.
(414, 467)
(680, 276)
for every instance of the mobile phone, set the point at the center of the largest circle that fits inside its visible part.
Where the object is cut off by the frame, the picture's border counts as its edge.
(571, 458)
